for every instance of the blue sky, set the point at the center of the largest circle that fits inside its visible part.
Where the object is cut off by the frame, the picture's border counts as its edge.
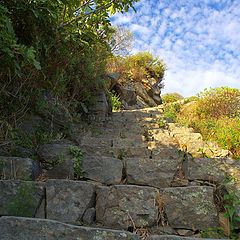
(199, 40)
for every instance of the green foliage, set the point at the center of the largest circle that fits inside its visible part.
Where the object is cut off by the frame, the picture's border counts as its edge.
(171, 111)
(22, 204)
(40, 135)
(60, 46)
(161, 123)
(116, 102)
(138, 66)
(215, 114)
(213, 233)
(77, 154)
(171, 97)
(218, 102)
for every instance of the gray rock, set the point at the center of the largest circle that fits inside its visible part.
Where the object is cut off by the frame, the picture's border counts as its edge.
(207, 169)
(121, 206)
(152, 172)
(89, 216)
(19, 168)
(21, 198)
(68, 200)
(190, 207)
(102, 169)
(116, 152)
(31, 123)
(57, 159)
(13, 228)
(101, 107)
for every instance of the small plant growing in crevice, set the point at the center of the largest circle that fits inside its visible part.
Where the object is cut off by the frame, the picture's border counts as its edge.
(22, 204)
(116, 102)
(77, 157)
(232, 204)
(161, 123)
(212, 233)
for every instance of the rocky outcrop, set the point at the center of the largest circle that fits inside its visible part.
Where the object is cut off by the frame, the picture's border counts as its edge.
(136, 94)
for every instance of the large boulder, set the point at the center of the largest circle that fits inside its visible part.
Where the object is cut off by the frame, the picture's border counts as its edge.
(19, 168)
(126, 206)
(13, 228)
(22, 198)
(67, 201)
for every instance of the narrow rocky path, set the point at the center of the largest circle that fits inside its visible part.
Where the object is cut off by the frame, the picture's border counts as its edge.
(138, 181)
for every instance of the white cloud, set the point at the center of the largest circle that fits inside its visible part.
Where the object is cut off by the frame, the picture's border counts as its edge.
(199, 41)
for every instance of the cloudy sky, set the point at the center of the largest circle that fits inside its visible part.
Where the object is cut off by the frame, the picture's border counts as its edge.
(198, 39)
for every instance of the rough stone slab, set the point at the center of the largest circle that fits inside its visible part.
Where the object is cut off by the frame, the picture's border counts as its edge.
(121, 205)
(57, 159)
(190, 207)
(162, 152)
(22, 198)
(19, 168)
(102, 169)
(116, 152)
(152, 172)
(114, 142)
(206, 169)
(68, 200)
(13, 228)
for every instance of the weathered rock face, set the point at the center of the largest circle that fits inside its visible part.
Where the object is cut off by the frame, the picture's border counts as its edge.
(67, 201)
(121, 206)
(57, 159)
(22, 198)
(19, 168)
(102, 169)
(13, 228)
(137, 94)
(102, 108)
(195, 205)
(151, 172)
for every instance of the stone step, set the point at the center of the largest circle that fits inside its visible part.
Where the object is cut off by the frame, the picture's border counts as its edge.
(116, 152)
(158, 173)
(123, 206)
(16, 228)
(106, 170)
(113, 142)
(20, 228)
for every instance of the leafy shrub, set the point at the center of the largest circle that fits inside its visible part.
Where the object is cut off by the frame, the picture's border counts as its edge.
(171, 97)
(171, 111)
(60, 46)
(138, 66)
(217, 102)
(215, 114)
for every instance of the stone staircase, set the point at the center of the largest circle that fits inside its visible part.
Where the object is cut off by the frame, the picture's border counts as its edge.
(138, 181)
